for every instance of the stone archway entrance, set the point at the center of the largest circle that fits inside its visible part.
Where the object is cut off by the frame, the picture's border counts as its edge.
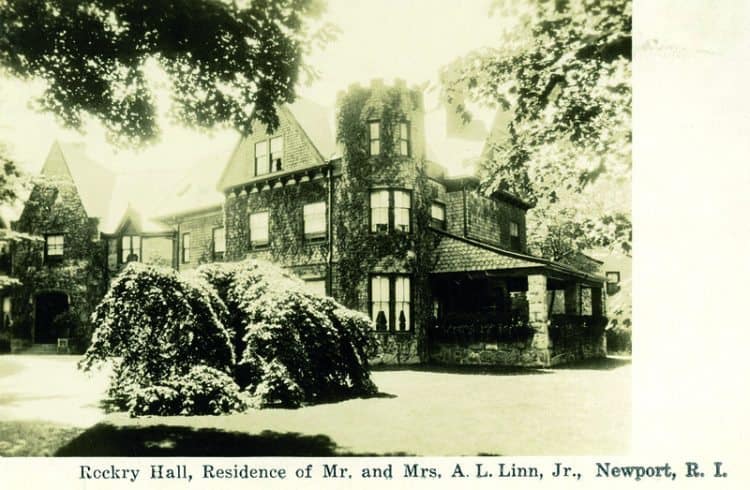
(48, 306)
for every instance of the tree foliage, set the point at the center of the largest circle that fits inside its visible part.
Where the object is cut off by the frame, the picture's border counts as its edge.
(564, 71)
(226, 61)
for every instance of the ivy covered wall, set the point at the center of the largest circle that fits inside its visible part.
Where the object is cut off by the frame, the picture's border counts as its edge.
(358, 251)
(54, 207)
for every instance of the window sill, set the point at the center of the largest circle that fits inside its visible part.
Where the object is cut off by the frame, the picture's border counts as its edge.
(260, 246)
(316, 238)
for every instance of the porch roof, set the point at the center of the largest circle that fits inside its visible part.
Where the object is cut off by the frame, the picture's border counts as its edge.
(460, 254)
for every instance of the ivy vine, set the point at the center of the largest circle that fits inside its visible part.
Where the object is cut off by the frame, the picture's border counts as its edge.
(359, 251)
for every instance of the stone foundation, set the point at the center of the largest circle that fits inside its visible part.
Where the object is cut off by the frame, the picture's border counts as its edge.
(518, 353)
(395, 349)
(578, 349)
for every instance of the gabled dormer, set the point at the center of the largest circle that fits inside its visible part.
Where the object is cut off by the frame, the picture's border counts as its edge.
(304, 139)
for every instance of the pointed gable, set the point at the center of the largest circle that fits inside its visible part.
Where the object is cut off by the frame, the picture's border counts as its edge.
(94, 183)
(308, 140)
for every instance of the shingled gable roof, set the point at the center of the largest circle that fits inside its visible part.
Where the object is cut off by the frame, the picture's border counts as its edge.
(460, 254)
(313, 120)
(93, 182)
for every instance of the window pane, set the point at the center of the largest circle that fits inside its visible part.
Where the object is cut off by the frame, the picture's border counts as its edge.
(259, 228)
(513, 229)
(379, 210)
(277, 153)
(380, 301)
(401, 199)
(375, 138)
(136, 244)
(404, 143)
(55, 244)
(402, 207)
(315, 218)
(438, 212)
(219, 241)
(261, 158)
(186, 247)
(403, 303)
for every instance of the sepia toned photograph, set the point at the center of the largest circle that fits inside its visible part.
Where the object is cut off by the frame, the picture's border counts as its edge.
(315, 228)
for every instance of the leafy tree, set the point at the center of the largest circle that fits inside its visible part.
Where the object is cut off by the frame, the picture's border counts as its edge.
(563, 70)
(225, 61)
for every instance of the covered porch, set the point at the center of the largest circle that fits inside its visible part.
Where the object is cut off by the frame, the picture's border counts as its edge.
(501, 308)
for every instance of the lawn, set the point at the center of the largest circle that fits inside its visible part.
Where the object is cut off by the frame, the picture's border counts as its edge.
(47, 407)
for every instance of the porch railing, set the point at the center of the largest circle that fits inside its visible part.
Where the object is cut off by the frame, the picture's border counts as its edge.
(568, 327)
(465, 328)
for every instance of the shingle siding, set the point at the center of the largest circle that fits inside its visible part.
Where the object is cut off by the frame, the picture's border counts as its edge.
(200, 226)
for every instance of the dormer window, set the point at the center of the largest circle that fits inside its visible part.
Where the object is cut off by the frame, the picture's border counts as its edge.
(269, 155)
(374, 133)
(277, 153)
(261, 158)
(403, 139)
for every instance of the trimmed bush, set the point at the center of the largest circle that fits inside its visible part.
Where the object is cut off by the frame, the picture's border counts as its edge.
(293, 346)
(160, 325)
(202, 391)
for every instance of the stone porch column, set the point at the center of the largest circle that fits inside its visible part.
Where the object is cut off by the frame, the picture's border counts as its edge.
(539, 319)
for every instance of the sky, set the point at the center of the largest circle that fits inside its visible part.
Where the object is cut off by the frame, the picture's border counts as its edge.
(387, 39)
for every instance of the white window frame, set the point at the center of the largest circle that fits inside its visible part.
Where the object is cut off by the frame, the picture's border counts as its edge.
(380, 210)
(391, 294)
(260, 235)
(54, 245)
(315, 220)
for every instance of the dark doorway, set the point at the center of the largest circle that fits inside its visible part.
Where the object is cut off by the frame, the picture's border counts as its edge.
(48, 306)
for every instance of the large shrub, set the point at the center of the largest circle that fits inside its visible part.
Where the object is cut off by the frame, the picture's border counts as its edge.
(158, 326)
(293, 345)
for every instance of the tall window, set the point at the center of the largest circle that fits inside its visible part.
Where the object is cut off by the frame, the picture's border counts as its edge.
(315, 220)
(380, 299)
(277, 153)
(269, 155)
(379, 201)
(259, 229)
(374, 137)
(185, 248)
(261, 158)
(403, 138)
(219, 243)
(515, 236)
(390, 302)
(54, 246)
(390, 210)
(131, 249)
(402, 303)
(402, 210)
(437, 212)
